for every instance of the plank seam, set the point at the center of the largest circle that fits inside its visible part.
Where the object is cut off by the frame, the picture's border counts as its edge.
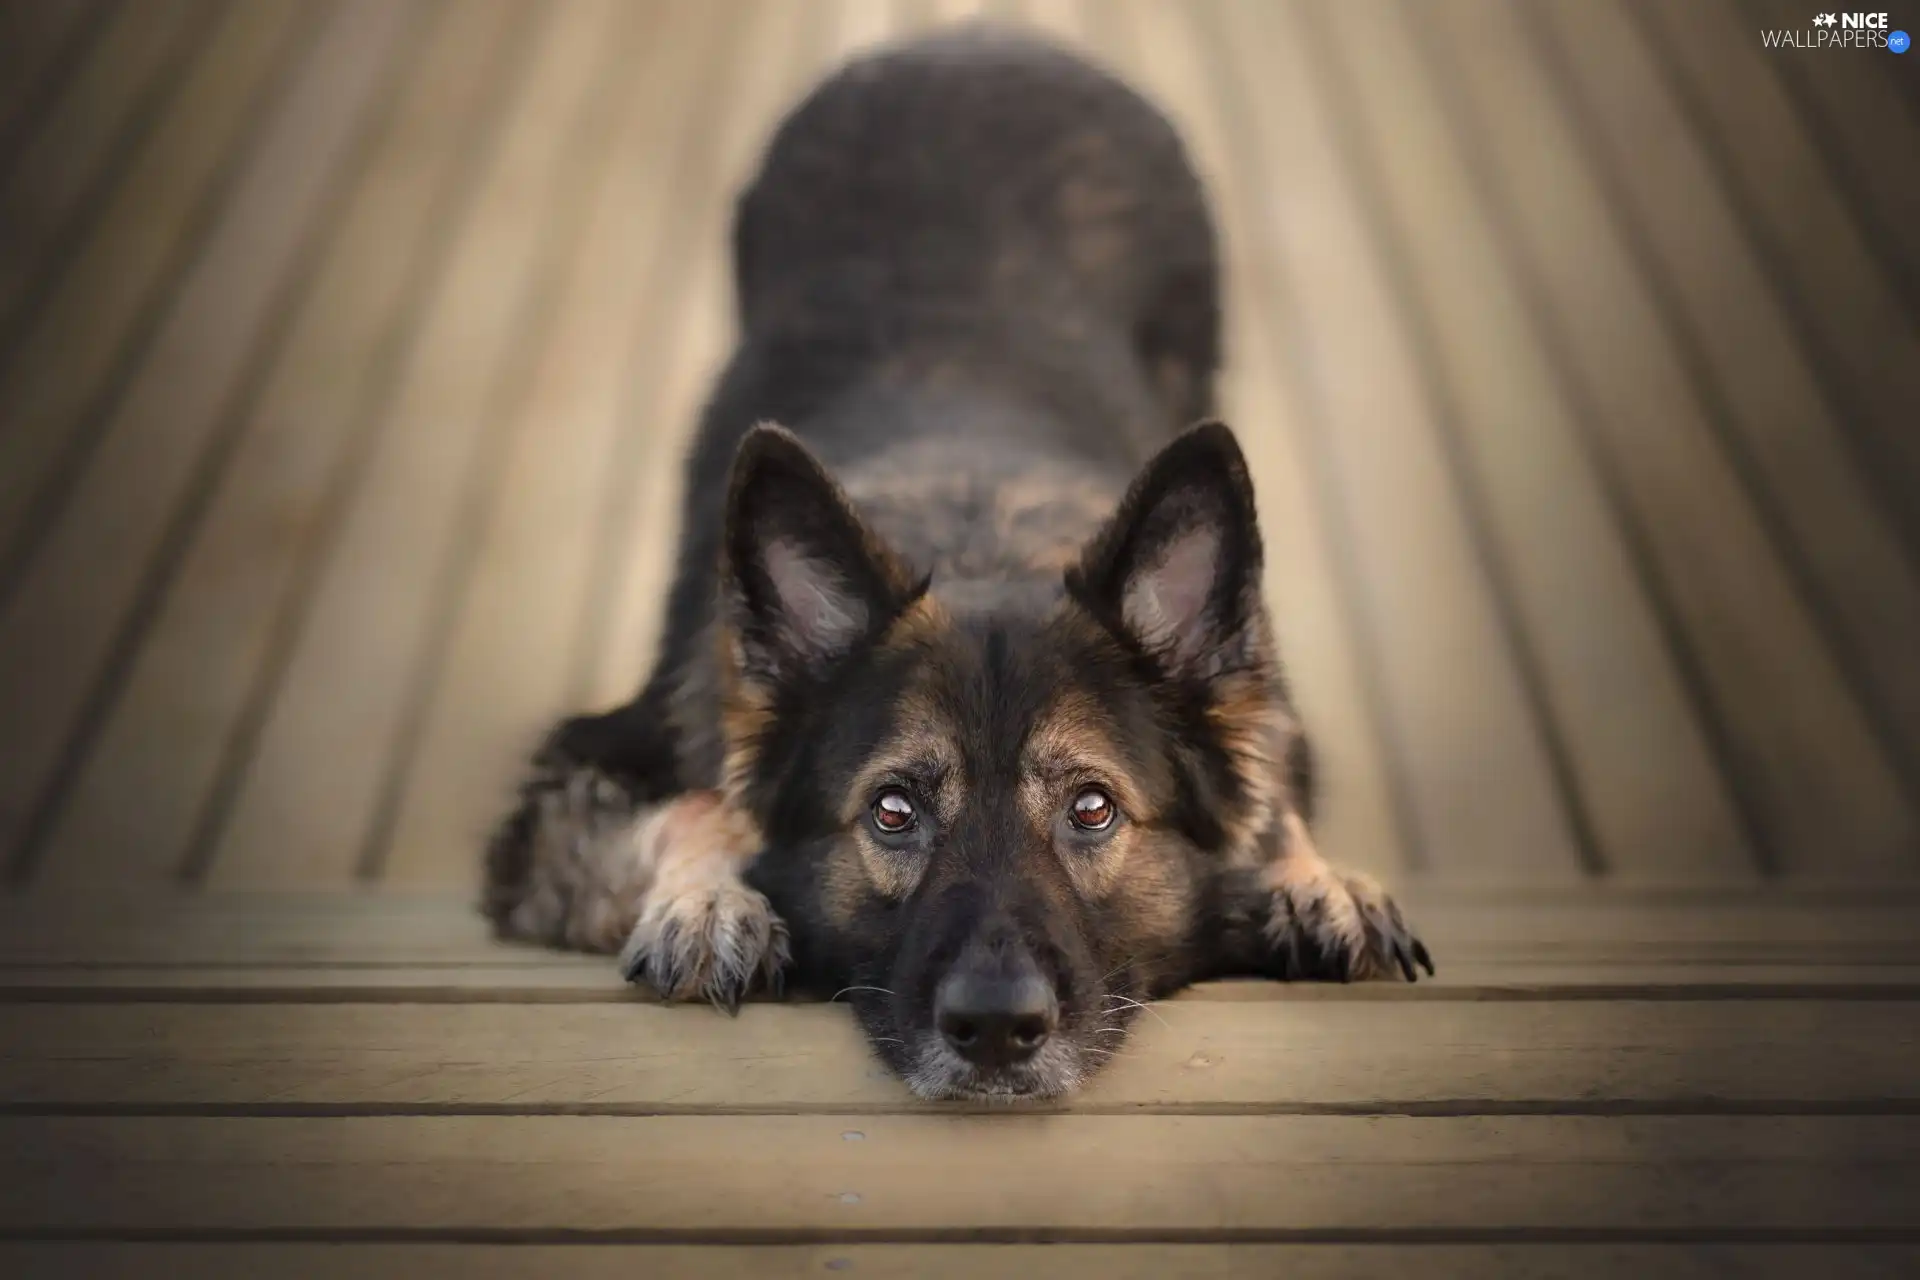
(777, 1236)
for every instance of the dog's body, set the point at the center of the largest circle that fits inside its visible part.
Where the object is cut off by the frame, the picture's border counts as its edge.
(930, 720)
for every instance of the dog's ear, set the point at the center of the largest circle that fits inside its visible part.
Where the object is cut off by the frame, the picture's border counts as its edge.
(806, 582)
(1177, 568)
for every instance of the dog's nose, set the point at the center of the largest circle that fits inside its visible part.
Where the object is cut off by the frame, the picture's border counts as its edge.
(996, 1019)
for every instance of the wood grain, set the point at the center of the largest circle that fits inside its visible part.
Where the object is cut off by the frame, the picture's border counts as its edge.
(1128, 1176)
(1260, 1056)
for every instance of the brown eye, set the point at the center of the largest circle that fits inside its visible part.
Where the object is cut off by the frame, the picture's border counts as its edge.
(1093, 810)
(893, 812)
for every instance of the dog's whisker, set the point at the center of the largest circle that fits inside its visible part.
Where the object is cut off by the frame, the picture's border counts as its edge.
(842, 991)
(1144, 1008)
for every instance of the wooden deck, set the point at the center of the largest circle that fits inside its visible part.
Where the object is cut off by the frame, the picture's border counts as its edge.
(346, 352)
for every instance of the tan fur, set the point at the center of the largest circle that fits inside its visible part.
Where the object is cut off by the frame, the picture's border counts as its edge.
(1068, 748)
(1067, 751)
(1342, 912)
(700, 930)
(746, 710)
(1255, 728)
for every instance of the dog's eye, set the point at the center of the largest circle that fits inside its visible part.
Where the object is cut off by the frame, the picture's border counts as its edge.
(1093, 810)
(893, 812)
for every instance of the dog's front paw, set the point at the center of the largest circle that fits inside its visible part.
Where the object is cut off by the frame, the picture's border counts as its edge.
(713, 943)
(1327, 924)
(702, 931)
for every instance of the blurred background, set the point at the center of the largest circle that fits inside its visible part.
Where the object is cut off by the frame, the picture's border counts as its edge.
(348, 348)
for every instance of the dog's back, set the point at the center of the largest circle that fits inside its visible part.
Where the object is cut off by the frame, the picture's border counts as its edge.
(982, 210)
(962, 256)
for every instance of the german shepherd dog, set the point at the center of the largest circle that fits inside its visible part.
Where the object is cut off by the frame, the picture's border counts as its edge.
(968, 705)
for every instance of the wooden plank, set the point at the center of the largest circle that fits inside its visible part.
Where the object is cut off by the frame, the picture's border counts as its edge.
(88, 593)
(955, 1261)
(1442, 655)
(504, 669)
(308, 781)
(1601, 1057)
(70, 159)
(1698, 973)
(131, 812)
(1656, 798)
(69, 367)
(368, 928)
(1776, 424)
(1357, 821)
(1821, 795)
(780, 56)
(1121, 1176)
(1841, 296)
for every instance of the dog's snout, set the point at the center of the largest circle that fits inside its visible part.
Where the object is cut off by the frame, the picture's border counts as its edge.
(996, 1015)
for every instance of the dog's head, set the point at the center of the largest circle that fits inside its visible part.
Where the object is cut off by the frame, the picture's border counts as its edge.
(1004, 820)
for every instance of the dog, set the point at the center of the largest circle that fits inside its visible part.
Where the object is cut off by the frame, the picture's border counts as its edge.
(968, 706)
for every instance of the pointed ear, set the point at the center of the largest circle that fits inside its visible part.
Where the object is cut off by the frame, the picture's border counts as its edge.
(1177, 568)
(806, 581)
